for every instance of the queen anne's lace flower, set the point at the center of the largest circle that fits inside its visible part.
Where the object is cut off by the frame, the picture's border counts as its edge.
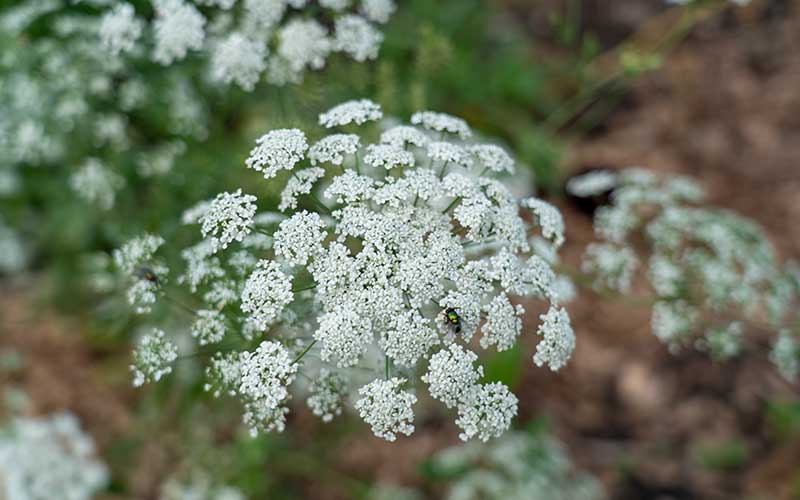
(153, 358)
(304, 43)
(399, 265)
(356, 37)
(228, 218)
(558, 340)
(120, 29)
(238, 59)
(359, 112)
(266, 374)
(209, 327)
(334, 148)
(95, 183)
(326, 394)
(300, 237)
(178, 28)
(49, 457)
(387, 408)
(266, 292)
(442, 122)
(277, 150)
(378, 10)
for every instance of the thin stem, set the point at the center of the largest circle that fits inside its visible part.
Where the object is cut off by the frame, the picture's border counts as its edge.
(319, 202)
(304, 288)
(180, 305)
(387, 367)
(452, 204)
(305, 351)
(444, 170)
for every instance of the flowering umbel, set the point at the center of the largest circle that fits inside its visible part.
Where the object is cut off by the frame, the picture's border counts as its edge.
(393, 255)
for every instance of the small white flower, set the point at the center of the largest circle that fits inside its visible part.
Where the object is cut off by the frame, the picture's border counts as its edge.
(409, 338)
(153, 358)
(326, 393)
(266, 292)
(451, 374)
(358, 111)
(403, 135)
(303, 43)
(299, 238)
(558, 340)
(356, 37)
(550, 219)
(503, 323)
(442, 122)
(447, 152)
(239, 59)
(137, 252)
(301, 182)
(673, 321)
(277, 150)
(344, 335)
(612, 266)
(178, 28)
(228, 218)
(209, 327)
(97, 184)
(350, 187)
(266, 374)
(120, 29)
(333, 148)
(378, 11)
(493, 157)
(387, 408)
(388, 156)
(592, 183)
(486, 411)
(786, 355)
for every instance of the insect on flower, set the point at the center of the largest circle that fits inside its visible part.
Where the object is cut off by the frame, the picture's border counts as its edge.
(148, 274)
(453, 318)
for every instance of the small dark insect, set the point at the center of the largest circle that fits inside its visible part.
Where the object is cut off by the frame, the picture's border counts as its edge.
(148, 274)
(453, 318)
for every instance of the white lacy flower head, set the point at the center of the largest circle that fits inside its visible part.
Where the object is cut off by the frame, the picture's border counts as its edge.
(265, 375)
(359, 112)
(178, 28)
(277, 150)
(96, 183)
(239, 59)
(385, 272)
(49, 457)
(153, 358)
(387, 408)
(705, 265)
(357, 37)
(120, 29)
(442, 122)
(228, 218)
(378, 10)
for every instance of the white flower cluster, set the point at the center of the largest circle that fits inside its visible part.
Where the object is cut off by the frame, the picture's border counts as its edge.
(49, 457)
(711, 271)
(153, 358)
(517, 466)
(245, 41)
(410, 250)
(136, 259)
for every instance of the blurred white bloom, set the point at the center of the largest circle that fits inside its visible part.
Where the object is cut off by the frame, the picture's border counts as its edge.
(673, 321)
(120, 29)
(387, 408)
(334, 4)
(137, 252)
(592, 183)
(161, 159)
(277, 150)
(12, 252)
(786, 355)
(326, 394)
(357, 111)
(304, 43)
(441, 122)
(558, 340)
(378, 11)
(356, 37)
(612, 266)
(178, 28)
(239, 59)
(446, 152)
(153, 358)
(49, 457)
(96, 184)
(550, 219)
(228, 218)
(404, 135)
